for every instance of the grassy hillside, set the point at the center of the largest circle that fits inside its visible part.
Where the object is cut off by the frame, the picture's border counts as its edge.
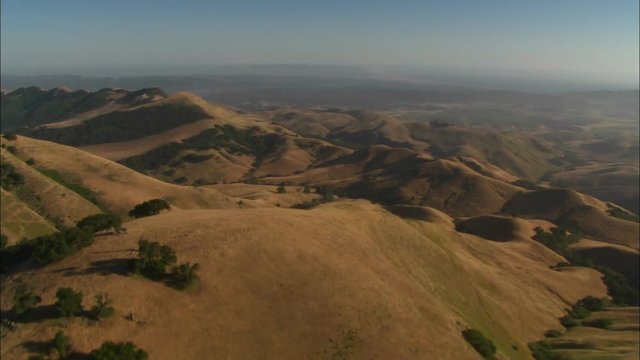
(33, 106)
(52, 199)
(19, 221)
(347, 275)
(117, 187)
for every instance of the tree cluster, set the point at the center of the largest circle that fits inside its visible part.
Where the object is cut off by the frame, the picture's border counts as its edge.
(100, 222)
(154, 258)
(480, 343)
(149, 208)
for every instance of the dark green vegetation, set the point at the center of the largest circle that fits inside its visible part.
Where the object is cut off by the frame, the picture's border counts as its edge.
(236, 141)
(578, 315)
(102, 308)
(100, 222)
(598, 323)
(119, 126)
(326, 195)
(50, 248)
(69, 302)
(557, 240)
(24, 301)
(61, 344)
(480, 343)
(153, 258)
(622, 214)
(33, 106)
(619, 287)
(542, 350)
(553, 333)
(9, 177)
(185, 275)
(282, 189)
(120, 351)
(149, 208)
(71, 185)
(45, 249)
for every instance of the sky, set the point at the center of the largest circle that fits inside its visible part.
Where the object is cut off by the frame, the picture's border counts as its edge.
(596, 39)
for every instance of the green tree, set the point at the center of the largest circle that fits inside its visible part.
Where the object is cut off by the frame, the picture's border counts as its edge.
(49, 248)
(185, 274)
(592, 303)
(102, 308)
(149, 208)
(9, 177)
(61, 344)
(153, 257)
(480, 343)
(24, 300)
(3, 242)
(118, 351)
(100, 222)
(282, 189)
(69, 302)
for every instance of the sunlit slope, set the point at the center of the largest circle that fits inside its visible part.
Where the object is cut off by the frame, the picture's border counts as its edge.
(18, 221)
(117, 186)
(281, 283)
(44, 195)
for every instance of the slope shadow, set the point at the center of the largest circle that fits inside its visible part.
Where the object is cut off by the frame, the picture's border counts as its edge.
(119, 266)
(40, 313)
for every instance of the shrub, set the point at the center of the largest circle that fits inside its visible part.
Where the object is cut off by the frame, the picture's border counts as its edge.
(552, 333)
(282, 189)
(149, 208)
(542, 350)
(24, 300)
(480, 343)
(558, 239)
(49, 248)
(110, 350)
(60, 344)
(3, 242)
(10, 136)
(185, 275)
(102, 309)
(9, 178)
(31, 162)
(307, 189)
(568, 322)
(12, 149)
(578, 311)
(592, 303)
(621, 292)
(598, 323)
(69, 302)
(153, 258)
(100, 222)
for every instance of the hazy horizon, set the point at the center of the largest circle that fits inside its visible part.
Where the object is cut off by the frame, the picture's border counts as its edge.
(586, 43)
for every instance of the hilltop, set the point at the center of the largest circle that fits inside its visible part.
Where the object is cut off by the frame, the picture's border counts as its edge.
(360, 272)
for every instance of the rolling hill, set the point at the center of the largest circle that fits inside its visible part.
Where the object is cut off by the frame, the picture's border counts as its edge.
(320, 234)
(394, 288)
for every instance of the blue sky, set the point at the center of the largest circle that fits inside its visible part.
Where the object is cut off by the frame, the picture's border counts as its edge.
(590, 37)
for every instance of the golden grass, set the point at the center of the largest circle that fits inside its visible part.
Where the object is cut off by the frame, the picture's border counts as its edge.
(280, 283)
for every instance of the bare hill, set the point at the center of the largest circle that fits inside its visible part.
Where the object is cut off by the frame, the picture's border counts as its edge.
(391, 288)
